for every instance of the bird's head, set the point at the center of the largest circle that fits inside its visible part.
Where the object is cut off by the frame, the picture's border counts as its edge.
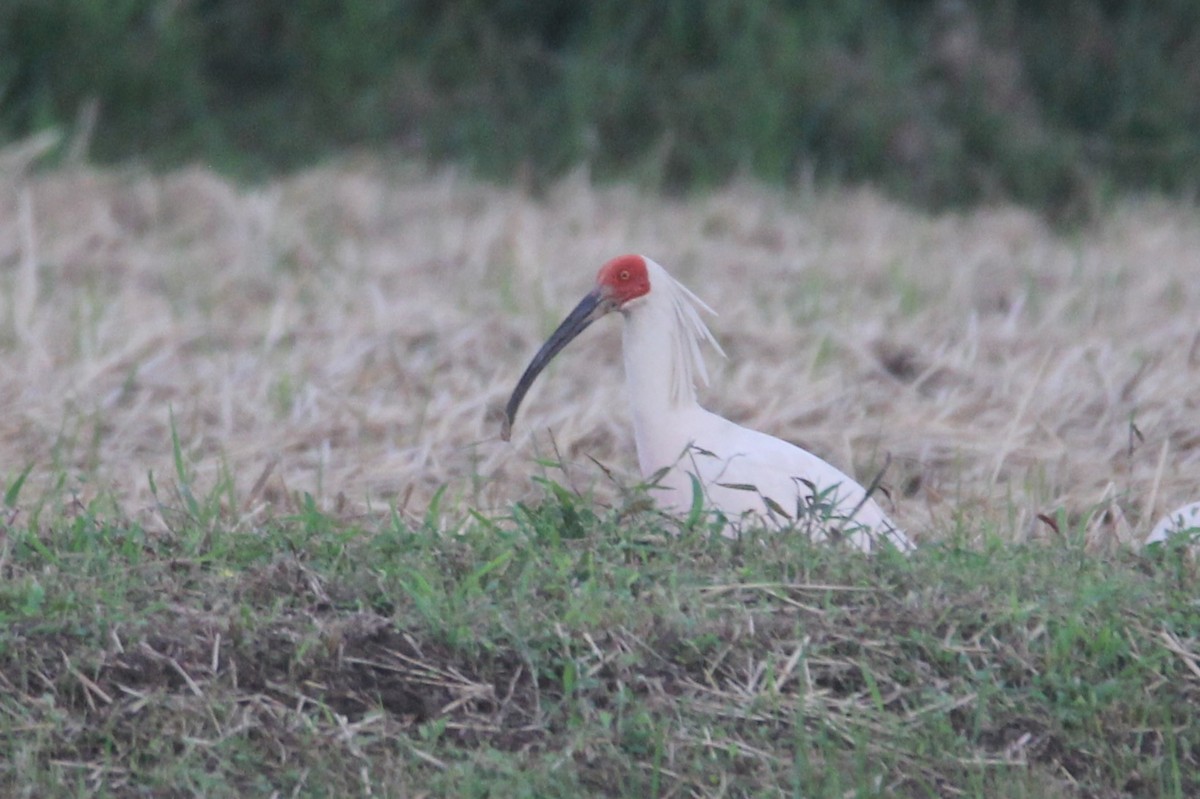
(623, 284)
(619, 283)
(623, 280)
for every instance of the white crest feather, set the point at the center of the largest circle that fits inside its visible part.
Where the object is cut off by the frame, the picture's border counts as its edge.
(686, 334)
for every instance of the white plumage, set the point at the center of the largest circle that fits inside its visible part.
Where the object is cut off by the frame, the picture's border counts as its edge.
(681, 445)
(1182, 520)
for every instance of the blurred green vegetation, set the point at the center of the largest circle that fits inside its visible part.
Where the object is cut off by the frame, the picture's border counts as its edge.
(942, 103)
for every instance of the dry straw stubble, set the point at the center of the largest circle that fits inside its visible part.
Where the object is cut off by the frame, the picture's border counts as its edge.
(352, 332)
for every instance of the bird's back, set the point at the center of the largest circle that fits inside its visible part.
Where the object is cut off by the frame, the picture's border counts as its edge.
(744, 472)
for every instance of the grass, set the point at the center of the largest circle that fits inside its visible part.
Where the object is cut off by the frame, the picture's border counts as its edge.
(569, 649)
(258, 535)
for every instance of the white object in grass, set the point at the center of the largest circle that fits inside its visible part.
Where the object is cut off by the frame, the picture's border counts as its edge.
(1181, 520)
(682, 447)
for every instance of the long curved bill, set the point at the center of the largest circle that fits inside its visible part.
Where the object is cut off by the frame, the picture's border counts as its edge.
(590, 308)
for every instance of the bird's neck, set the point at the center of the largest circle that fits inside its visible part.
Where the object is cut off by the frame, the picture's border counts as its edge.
(659, 378)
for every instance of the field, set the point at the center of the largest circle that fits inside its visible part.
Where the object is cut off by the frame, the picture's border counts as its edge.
(260, 535)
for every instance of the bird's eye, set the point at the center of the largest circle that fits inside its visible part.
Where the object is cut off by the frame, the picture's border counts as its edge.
(624, 274)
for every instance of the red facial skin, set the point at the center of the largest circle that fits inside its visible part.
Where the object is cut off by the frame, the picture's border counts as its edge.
(624, 278)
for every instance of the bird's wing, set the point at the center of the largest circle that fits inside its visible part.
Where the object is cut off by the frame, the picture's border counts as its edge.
(744, 469)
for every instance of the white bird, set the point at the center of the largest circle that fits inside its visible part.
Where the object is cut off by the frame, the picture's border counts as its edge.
(682, 447)
(1183, 520)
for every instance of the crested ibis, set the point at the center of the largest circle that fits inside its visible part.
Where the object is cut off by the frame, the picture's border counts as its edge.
(683, 448)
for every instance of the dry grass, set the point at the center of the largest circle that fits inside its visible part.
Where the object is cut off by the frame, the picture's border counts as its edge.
(354, 330)
(352, 333)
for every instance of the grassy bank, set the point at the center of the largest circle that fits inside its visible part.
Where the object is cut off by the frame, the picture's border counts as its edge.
(565, 650)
